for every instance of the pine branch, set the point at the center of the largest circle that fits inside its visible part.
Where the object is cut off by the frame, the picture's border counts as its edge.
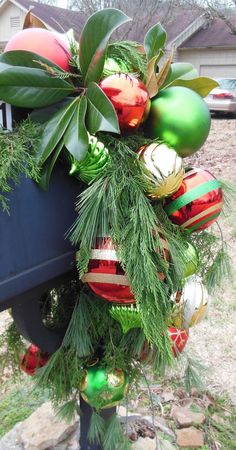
(97, 429)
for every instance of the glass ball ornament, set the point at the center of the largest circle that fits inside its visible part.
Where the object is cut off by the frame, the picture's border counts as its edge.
(180, 118)
(197, 203)
(190, 305)
(129, 97)
(189, 264)
(33, 359)
(164, 170)
(113, 66)
(105, 276)
(103, 387)
(179, 337)
(93, 164)
(44, 43)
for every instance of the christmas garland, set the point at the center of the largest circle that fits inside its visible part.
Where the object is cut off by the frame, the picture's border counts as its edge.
(145, 260)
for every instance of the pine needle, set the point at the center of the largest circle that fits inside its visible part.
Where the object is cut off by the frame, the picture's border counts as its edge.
(69, 410)
(192, 375)
(114, 438)
(97, 429)
(128, 52)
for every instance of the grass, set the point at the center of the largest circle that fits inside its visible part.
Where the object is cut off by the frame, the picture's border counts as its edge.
(18, 403)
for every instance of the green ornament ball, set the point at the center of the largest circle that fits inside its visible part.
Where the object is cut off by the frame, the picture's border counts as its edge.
(102, 387)
(180, 118)
(191, 261)
(93, 164)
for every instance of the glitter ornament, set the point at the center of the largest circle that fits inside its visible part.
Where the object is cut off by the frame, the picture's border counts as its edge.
(42, 42)
(180, 118)
(179, 338)
(94, 162)
(190, 305)
(105, 276)
(197, 203)
(163, 169)
(102, 387)
(33, 359)
(129, 97)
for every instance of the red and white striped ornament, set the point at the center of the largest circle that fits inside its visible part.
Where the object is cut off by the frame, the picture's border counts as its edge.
(179, 338)
(197, 203)
(105, 276)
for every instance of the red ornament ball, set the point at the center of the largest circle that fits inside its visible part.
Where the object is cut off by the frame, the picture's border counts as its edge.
(33, 359)
(129, 97)
(197, 203)
(42, 42)
(179, 338)
(105, 276)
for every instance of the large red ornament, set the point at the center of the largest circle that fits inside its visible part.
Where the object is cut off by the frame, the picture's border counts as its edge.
(43, 42)
(197, 203)
(105, 276)
(33, 359)
(129, 97)
(179, 338)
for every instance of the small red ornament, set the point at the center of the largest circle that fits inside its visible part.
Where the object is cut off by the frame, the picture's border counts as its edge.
(105, 276)
(197, 203)
(42, 42)
(179, 338)
(129, 97)
(33, 359)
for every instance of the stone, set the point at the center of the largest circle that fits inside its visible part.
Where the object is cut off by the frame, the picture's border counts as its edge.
(161, 424)
(43, 429)
(10, 441)
(144, 444)
(218, 419)
(189, 437)
(167, 396)
(185, 417)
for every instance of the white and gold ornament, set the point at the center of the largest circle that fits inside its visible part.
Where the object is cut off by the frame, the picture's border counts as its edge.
(163, 168)
(190, 304)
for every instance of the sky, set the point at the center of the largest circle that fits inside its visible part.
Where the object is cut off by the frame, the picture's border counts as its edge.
(62, 3)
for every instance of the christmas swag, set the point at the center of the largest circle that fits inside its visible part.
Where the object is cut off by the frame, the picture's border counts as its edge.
(122, 124)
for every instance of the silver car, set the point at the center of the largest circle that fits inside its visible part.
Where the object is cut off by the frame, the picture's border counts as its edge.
(223, 98)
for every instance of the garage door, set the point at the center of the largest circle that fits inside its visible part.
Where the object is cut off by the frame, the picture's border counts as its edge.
(225, 71)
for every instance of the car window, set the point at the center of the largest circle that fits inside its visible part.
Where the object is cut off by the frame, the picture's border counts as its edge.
(227, 83)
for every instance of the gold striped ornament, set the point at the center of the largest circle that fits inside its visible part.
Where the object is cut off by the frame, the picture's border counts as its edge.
(163, 170)
(197, 203)
(190, 304)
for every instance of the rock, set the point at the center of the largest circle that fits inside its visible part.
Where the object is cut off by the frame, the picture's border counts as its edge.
(218, 419)
(43, 429)
(10, 441)
(167, 396)
(189, 437)
(161, 424)
(185, 417)
(144, 444)
(139, 427)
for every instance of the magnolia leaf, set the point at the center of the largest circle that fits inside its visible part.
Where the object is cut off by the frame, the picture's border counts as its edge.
(76, 137)
(184, 71)
(54, 130)
(32, 21)
(94, 40)
(151, 83)
(101, 115)
(42, 115)
(23, 58)
(201, 85)
(47, 168)
(161, 77)
(154, 40)
(31, 88)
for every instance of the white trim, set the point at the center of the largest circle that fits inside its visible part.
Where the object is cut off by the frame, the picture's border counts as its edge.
(188, 32)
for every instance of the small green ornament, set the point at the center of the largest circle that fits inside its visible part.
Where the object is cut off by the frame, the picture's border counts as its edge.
(102, 387)
(191, 261)
(94, 162)
(113, 65)
(127, 316)
(180, 118)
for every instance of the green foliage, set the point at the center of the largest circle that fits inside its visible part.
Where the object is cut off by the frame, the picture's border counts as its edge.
(76, 136)
(154, 40)
(181, 71)
(201, 85)
(193, 375)
(12, 347)
(114, 438)
(94, 39)
(96, 429)
(17, 157)
(19, 404)
(101, 115)
(128, 54)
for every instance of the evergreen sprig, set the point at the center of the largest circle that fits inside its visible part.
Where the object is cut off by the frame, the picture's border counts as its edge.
(129, 53)
(17, 157)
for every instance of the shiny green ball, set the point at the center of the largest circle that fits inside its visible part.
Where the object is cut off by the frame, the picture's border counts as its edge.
(102, 387)
(191, 261)
(180, 118)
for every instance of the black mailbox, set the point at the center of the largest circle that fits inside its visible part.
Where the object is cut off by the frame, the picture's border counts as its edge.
(34, 252)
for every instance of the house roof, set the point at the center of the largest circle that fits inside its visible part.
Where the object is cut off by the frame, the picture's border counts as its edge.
(216, 34)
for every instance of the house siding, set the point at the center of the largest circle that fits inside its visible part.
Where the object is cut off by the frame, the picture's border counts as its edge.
(11, 21)
(210, 62)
